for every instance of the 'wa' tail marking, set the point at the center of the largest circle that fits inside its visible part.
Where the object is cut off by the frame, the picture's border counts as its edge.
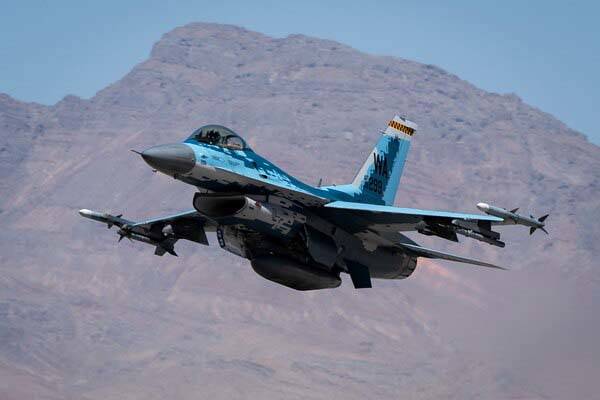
(381, 165)
(378, 179)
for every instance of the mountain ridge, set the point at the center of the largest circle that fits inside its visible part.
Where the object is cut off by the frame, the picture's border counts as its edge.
(302, 37)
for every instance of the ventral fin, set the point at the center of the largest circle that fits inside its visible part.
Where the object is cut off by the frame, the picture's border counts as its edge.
(361, 278)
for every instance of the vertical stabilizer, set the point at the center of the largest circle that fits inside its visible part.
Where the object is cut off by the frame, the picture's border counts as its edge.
(378, 179)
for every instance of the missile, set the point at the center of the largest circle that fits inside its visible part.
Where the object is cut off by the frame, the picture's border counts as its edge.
(164, 242)
(512, 215)
(463, 228)
(108, 219)
(96, 216)
(479, 236)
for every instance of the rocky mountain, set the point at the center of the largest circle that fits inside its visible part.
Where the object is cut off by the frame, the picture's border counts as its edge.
(83, 318)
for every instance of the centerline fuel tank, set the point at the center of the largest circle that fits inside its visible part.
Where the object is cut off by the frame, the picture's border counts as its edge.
(293, 274)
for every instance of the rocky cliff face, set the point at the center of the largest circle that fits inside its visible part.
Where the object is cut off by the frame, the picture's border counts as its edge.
(84, 318)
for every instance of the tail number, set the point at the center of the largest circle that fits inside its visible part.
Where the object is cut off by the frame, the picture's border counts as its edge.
(380, 164)
(374, 185)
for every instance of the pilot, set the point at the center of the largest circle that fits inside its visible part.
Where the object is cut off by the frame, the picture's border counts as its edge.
(213, 137)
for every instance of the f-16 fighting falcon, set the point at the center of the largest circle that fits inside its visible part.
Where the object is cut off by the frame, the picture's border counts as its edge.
(298, 235)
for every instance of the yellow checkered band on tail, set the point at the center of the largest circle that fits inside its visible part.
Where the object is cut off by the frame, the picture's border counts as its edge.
(402, 128)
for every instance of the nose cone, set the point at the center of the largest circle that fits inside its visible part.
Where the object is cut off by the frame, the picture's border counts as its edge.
(170, 159)
(483, 207)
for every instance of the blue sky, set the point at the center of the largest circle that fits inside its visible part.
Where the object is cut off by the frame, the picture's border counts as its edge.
(546, 52)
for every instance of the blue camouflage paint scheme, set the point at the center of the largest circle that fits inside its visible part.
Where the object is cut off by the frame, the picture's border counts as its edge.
(262, 174)
(262, 213)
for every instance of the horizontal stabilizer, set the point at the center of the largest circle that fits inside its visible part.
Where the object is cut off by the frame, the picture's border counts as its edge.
(429, 253)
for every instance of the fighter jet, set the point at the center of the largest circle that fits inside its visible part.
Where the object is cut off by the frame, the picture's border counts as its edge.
(298, 235)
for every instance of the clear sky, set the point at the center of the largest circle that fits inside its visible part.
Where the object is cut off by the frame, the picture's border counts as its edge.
(546, 52)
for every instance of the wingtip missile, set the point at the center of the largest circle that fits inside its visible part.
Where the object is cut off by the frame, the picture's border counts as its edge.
(515, 218)
(164, 241)
(106, 218)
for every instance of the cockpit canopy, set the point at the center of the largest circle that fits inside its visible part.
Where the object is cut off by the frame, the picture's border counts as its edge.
(219, 135)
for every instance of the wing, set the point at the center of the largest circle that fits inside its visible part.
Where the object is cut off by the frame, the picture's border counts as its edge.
(161, 232)
(187, 225)
(383, 224)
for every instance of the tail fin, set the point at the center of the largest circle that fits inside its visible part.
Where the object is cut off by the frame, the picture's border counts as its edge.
(378, 179)
(541, 220)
